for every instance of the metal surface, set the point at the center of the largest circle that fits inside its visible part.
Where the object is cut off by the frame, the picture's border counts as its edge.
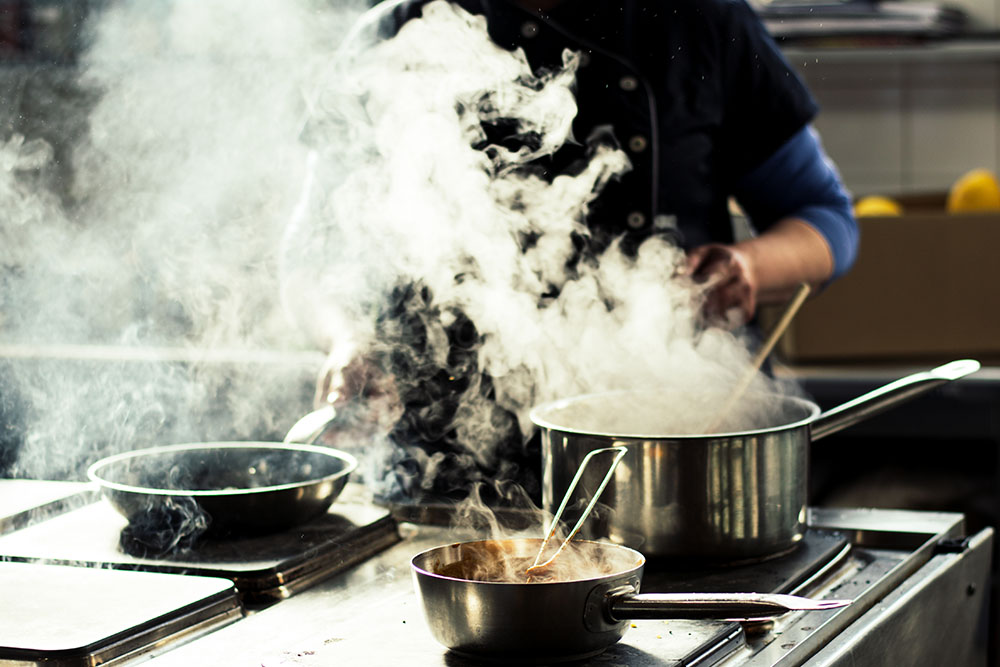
(264, 568)
(371, 614)
(725, 606)
(230, 486)
(726, 497)
(70, 616)
(537, 566)
(519, 621)
(888, 396)
(890, 549)
(947, 600)
(731, 496)
(310, 427)
(797, 572)
(26, 501)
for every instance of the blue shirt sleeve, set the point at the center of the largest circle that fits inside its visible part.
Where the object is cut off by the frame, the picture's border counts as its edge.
(800, 181)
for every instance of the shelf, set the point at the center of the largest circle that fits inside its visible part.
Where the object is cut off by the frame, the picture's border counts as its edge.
(980, 48)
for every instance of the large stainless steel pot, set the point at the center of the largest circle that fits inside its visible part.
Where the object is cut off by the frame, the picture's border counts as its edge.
(736, 495)
(568, 618)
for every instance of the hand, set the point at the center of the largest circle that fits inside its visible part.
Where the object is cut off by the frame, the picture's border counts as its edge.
(729, 282)
(360, 378)
(364, 396)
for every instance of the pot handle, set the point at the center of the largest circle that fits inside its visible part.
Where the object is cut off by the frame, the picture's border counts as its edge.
(309, 428)
(725, 606)
(888, 396)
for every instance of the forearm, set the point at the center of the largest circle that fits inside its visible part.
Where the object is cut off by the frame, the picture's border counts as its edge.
(789, 253)
(803, 211)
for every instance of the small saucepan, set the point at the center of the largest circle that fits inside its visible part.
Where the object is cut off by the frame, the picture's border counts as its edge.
(477, 601)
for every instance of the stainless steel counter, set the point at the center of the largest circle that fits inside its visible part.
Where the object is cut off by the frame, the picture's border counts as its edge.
(372, 616)
(22, 501)
(920, 592)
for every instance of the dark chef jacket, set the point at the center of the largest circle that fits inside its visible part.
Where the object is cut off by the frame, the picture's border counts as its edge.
(696, 92)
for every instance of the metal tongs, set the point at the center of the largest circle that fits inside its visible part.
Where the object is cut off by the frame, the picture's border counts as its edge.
(537, 567)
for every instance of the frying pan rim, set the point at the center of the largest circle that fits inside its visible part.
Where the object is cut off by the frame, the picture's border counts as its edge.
(614, 575)
(94, 469)
(536, 418)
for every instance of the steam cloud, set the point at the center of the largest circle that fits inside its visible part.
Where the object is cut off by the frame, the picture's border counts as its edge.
(260, 176)
(411, 196)
(144, 193)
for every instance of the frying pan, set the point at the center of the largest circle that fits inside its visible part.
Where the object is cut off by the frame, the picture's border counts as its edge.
(232, 487)
(564, 619)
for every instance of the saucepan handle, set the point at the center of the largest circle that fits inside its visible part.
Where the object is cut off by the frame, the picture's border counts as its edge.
(888, 396)
(727, 606)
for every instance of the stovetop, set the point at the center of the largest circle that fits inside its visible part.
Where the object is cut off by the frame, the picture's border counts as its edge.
(62, 557)
(264, 568)
(60, 615)
(348, 619)
(25, 501)
(363, 609)
(817, 552)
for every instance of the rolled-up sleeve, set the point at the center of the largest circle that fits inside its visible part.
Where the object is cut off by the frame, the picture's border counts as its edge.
(800, 181)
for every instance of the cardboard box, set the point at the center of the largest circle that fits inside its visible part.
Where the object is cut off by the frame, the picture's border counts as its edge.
(926, 286)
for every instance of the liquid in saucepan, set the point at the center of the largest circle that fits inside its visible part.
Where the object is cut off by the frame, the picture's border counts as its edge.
(506, 561)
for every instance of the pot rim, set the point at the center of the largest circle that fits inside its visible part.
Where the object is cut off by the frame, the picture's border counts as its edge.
(537, 416)
(95, 469)
(426, 553)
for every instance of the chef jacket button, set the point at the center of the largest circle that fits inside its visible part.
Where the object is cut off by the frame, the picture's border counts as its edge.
(665, 221)
(628, 83)
(529, 29)
(635, 219)
(637, 144)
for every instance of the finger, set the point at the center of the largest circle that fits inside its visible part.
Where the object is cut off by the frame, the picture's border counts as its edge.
(324, 386)
(716, 260)
(693, 260)
(735, 296)
(704, 258)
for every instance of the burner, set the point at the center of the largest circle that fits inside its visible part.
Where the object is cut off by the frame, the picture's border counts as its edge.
(139, 613)
(786, 573)
(265, 568)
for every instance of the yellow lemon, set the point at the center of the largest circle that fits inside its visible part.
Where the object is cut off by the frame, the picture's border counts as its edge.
(976, 190)
(875, 205)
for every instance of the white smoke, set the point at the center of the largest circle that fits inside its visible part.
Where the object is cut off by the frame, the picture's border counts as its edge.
(410, 195)
(146, 215)
(258, 176)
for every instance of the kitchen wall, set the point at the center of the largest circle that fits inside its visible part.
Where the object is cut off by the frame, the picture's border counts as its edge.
(907, 120)
(895, 120)
(983, 15)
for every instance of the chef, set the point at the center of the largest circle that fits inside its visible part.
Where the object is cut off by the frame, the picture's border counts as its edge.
(709, 111)
(712, 118)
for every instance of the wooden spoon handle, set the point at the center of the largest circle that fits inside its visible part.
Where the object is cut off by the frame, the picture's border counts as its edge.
(786, 318)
